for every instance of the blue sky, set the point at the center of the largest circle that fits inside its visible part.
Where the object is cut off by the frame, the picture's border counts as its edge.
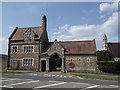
(66, 21)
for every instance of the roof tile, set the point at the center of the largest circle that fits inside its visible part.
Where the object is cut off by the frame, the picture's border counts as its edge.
(114, 48)
(77, 47)
(20, 31)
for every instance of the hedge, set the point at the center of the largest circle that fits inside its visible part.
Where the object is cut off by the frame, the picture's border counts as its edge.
(109, 66)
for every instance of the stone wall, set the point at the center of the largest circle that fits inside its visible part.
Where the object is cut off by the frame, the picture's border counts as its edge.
(16, 59)
(80, 63)
(56, 48)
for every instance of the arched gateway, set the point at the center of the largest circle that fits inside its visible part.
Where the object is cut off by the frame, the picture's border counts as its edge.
(55, 62)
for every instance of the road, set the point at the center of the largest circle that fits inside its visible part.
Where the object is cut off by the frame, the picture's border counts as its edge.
(44, 81)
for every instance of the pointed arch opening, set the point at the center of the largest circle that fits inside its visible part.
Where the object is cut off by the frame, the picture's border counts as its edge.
(55, 62)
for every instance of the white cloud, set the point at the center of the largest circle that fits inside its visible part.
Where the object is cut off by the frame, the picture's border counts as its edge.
(82, 32)
(11, 27)
(65, 27)
(56, 33)
(108, 6)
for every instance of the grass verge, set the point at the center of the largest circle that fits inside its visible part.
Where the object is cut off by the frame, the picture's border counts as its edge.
(105, 77)
(14, 72)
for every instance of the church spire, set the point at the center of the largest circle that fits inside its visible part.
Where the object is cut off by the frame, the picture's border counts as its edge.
(44, 21)
(105, 46)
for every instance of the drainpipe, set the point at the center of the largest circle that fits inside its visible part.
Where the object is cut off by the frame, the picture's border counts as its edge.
(8, 59)
(39, 56)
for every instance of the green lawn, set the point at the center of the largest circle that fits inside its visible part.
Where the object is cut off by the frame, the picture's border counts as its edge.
(58, 68)
(89, 76)
(14, 72)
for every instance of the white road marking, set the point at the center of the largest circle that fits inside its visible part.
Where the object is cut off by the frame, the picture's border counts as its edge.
(80, 78)
(23, 83)
(91, 87)
(65, 76)
(49, 75)
(58, 75)
(34, 74)
(70, 76)
(51, 85)
(79, 83)
(6, 86)
(53, 75)
(9, 80)
(45, 74)
(114, 85)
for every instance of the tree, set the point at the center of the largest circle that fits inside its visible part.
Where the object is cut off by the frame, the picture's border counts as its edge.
(104, 55)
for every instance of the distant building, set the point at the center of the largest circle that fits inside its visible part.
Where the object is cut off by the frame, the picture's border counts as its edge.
(105, 45)
(30, 49)
(3, 61)
(113, 47)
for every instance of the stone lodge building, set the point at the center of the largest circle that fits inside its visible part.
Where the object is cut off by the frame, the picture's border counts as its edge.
(30, 49)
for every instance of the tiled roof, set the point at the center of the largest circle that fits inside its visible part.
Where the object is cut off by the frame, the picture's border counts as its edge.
(114, 48)
(18, 33)
(77, 47)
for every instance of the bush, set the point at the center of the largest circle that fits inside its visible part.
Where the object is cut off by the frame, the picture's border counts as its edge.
(104, 55)
(109, 66)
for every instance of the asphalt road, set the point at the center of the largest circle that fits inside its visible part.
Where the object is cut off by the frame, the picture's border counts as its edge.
(53, 81)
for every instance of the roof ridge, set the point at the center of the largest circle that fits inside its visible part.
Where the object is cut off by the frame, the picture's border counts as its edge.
(76, 41)
(29, 27)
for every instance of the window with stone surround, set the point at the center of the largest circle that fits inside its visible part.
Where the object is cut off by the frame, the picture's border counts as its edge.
(27, 62)
(28, 49)
(29, 35)
(14, 49)
(88, 60)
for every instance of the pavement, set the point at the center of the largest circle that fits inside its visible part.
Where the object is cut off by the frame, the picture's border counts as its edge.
(54, 81)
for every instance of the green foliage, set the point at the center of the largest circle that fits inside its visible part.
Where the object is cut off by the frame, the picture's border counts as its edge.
(107, 77)
(104, 55)
(14, 72)
(109, 66)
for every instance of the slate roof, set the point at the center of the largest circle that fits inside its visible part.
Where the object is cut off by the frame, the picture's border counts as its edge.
(114, 48)
(77, 47)
(18, 32)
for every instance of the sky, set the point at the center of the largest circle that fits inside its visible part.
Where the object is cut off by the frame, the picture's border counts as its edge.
(66, 21)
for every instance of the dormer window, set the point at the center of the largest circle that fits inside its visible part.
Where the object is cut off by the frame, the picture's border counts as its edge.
(29, 36)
